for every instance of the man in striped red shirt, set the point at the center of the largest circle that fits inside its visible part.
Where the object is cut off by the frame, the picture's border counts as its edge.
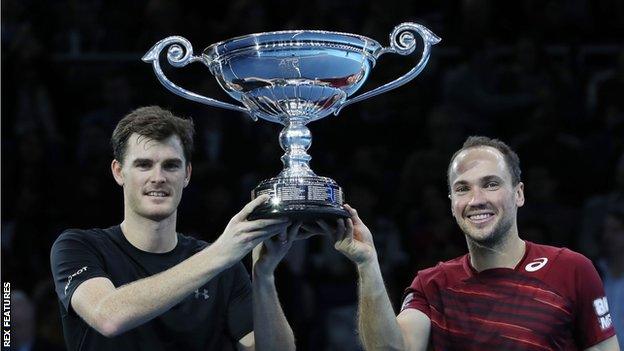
(505, 294)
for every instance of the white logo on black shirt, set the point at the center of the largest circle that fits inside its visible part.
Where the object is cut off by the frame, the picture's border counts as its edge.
(536, 265)
(601, 306)
(69, 279)
(203, 293)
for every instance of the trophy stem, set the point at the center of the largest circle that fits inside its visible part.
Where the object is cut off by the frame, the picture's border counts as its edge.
(295, 139)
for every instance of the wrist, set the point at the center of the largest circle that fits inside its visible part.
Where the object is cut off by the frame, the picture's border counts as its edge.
(262, 276)
(218, 257)
(367, 265)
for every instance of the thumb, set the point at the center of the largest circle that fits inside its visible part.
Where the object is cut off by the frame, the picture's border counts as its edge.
(354, 215)
(251, 206)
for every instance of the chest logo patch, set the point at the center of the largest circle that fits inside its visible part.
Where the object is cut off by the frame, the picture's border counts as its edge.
(536, 265)
(202, 294)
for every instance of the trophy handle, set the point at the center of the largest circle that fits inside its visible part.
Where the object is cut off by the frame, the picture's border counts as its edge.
(179, 57)
(405, 45)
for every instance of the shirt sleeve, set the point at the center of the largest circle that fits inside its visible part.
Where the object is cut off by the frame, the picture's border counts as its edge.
(593, 320)
(240, 306)
(414, 297)
(73, 260)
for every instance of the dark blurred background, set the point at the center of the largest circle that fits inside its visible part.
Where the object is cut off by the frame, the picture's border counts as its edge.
(545, 76)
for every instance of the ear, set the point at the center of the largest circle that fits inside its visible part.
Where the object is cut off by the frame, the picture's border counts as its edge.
(117, 172)
(520, 194)
(451, 203)
(187, 177)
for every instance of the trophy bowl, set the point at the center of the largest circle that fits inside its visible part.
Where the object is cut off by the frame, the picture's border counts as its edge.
(293, 78)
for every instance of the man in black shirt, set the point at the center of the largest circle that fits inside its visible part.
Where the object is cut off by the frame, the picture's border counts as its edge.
(142, 286)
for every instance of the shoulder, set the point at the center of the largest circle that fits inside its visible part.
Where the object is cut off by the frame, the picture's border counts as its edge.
(92, 236)
(560, 256)
(565, 270)
(443, 271)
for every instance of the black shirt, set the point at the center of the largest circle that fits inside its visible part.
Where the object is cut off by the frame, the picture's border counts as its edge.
(214, 317)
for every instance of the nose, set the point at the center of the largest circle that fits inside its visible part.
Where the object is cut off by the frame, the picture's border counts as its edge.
(477, 198)
(157, 176)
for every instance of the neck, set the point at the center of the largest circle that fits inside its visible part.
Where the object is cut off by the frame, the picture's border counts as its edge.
(504, 254)
(150, 235)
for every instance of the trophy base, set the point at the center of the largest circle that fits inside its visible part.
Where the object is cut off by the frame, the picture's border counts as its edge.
(300, 198)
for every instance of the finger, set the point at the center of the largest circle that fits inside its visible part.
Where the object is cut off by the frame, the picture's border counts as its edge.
(266, 239)
(349, 228)
(283, 236)
(263, 235)
(250, 206)
(293, 231)
(274, 228)
(326, 229)
(303, 236)
(341, 231)
(310, 228)
(258, 224)
(308, 231)
(324, 226)
(353, 212)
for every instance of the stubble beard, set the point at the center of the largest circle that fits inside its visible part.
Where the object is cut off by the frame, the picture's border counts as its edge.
(494, 238)
(156, 215)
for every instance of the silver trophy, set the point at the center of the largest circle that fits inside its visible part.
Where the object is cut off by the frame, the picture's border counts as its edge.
(293, 78)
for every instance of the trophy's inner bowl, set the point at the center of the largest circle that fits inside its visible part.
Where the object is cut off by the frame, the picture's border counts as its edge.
(280, 75)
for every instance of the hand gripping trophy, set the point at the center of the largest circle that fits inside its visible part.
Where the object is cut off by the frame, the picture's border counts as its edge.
(293, 78)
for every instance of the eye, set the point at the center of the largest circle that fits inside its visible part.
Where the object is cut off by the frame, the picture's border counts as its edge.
(491, 185)
(172, 166)
(461, 189)
(143, 164)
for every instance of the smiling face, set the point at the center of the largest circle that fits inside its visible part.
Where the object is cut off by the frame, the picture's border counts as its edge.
(153, 175)
(484, 201)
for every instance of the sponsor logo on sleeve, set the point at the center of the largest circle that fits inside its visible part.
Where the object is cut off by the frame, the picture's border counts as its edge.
(69, 279)
(536, 265)
(601, 307)
(407, 300)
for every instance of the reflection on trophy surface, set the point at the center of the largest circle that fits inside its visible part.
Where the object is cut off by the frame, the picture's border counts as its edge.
(294, 78)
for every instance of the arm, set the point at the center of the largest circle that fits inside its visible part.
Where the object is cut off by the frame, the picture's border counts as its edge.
(378, 326)
(415, 327)
(377, 322)
(271, 329)
(113, 310)
(611, 344)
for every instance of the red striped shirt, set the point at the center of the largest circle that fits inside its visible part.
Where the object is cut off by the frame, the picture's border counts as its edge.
(552, 300)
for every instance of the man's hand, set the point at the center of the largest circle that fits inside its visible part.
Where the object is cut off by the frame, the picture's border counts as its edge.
(241, 235)
(267, 255)
(351, 237)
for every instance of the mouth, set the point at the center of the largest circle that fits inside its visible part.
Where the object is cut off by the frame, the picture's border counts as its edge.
(480, 217)
(156, 193)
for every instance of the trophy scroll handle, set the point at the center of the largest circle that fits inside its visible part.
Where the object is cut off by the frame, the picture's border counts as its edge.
(179, 54)
(402, 42)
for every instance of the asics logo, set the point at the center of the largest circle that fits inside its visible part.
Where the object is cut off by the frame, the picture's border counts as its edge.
(536, 265)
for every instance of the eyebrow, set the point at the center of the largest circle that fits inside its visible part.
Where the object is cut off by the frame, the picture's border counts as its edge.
(485, 179)
(148, 160)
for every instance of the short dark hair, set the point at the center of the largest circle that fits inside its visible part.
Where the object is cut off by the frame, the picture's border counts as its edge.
(511, 158)
(155, 123)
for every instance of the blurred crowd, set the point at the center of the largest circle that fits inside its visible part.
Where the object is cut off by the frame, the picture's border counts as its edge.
(545, 76)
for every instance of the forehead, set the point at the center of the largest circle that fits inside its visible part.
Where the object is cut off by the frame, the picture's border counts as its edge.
(139, 146)
(477, 162)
